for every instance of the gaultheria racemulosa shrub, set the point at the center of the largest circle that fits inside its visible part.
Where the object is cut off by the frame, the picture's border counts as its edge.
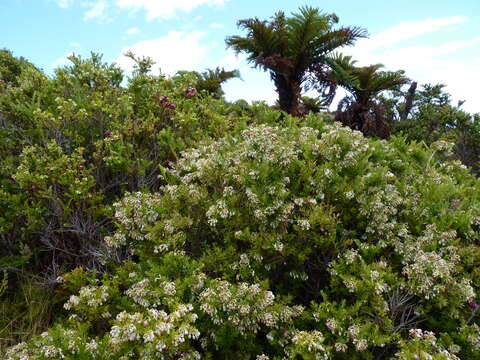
(282, 243)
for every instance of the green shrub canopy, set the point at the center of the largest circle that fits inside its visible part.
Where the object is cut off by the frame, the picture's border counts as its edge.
(297, 240)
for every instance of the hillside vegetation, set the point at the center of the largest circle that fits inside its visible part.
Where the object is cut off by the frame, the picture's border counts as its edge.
(147, 218)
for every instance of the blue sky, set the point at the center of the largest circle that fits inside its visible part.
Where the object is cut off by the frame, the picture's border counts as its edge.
(436, 41)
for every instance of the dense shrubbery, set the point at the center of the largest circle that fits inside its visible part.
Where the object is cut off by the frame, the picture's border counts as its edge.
(70, 146)
(297, 239)
(156, 220)
(433, 117)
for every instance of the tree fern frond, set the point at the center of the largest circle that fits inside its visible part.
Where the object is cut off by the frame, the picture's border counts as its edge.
(294, 50)
(335, 39)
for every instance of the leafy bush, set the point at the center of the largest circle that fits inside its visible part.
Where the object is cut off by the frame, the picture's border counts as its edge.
(73, 144)
(298, 240)
(434, 117)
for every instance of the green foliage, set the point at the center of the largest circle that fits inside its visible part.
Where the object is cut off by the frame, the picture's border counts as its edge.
(147, 218)
(362, 111)
(364, 83)
(286, 241)
(294, 50)
(72, 144)
(12, 67)
(434, 117)
(25, 309)
(211, 81)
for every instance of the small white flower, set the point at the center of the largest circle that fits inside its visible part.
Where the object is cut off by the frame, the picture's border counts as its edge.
(349, 195)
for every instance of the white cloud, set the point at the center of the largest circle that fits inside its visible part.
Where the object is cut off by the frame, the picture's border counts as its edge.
(216, 26)
(460, 76)
(399, 56)
(96, 11)
(75, 45)
(132, 31)
(426, 63)
(165, 9)
(406, 30)
(173, 52)
(232, 61)
(64, 3)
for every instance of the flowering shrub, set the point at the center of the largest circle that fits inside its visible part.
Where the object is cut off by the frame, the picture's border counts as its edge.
(73, 144)
(82, 142)
(190, 92)
(304, 240)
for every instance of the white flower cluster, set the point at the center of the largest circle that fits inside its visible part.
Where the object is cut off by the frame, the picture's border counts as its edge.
(443, 146)
(341, 145)
(432, 273)
(262, 357)
(45, 347)
(217, 211)
(90, 295)
(310, 342)
(424, 335)
(244, 306)
(52, 352)
(431, 349)
(379, 207)
(239, 161)
(134, 213)
(353, 333)
(428, 272)
(166, 332)
(148, 293)
(474, 337)
(21, 351)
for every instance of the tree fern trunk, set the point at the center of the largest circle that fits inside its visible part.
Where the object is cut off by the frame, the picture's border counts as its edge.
(288, 95)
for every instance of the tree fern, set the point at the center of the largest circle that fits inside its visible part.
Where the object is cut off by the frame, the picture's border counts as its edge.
(294, 50)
